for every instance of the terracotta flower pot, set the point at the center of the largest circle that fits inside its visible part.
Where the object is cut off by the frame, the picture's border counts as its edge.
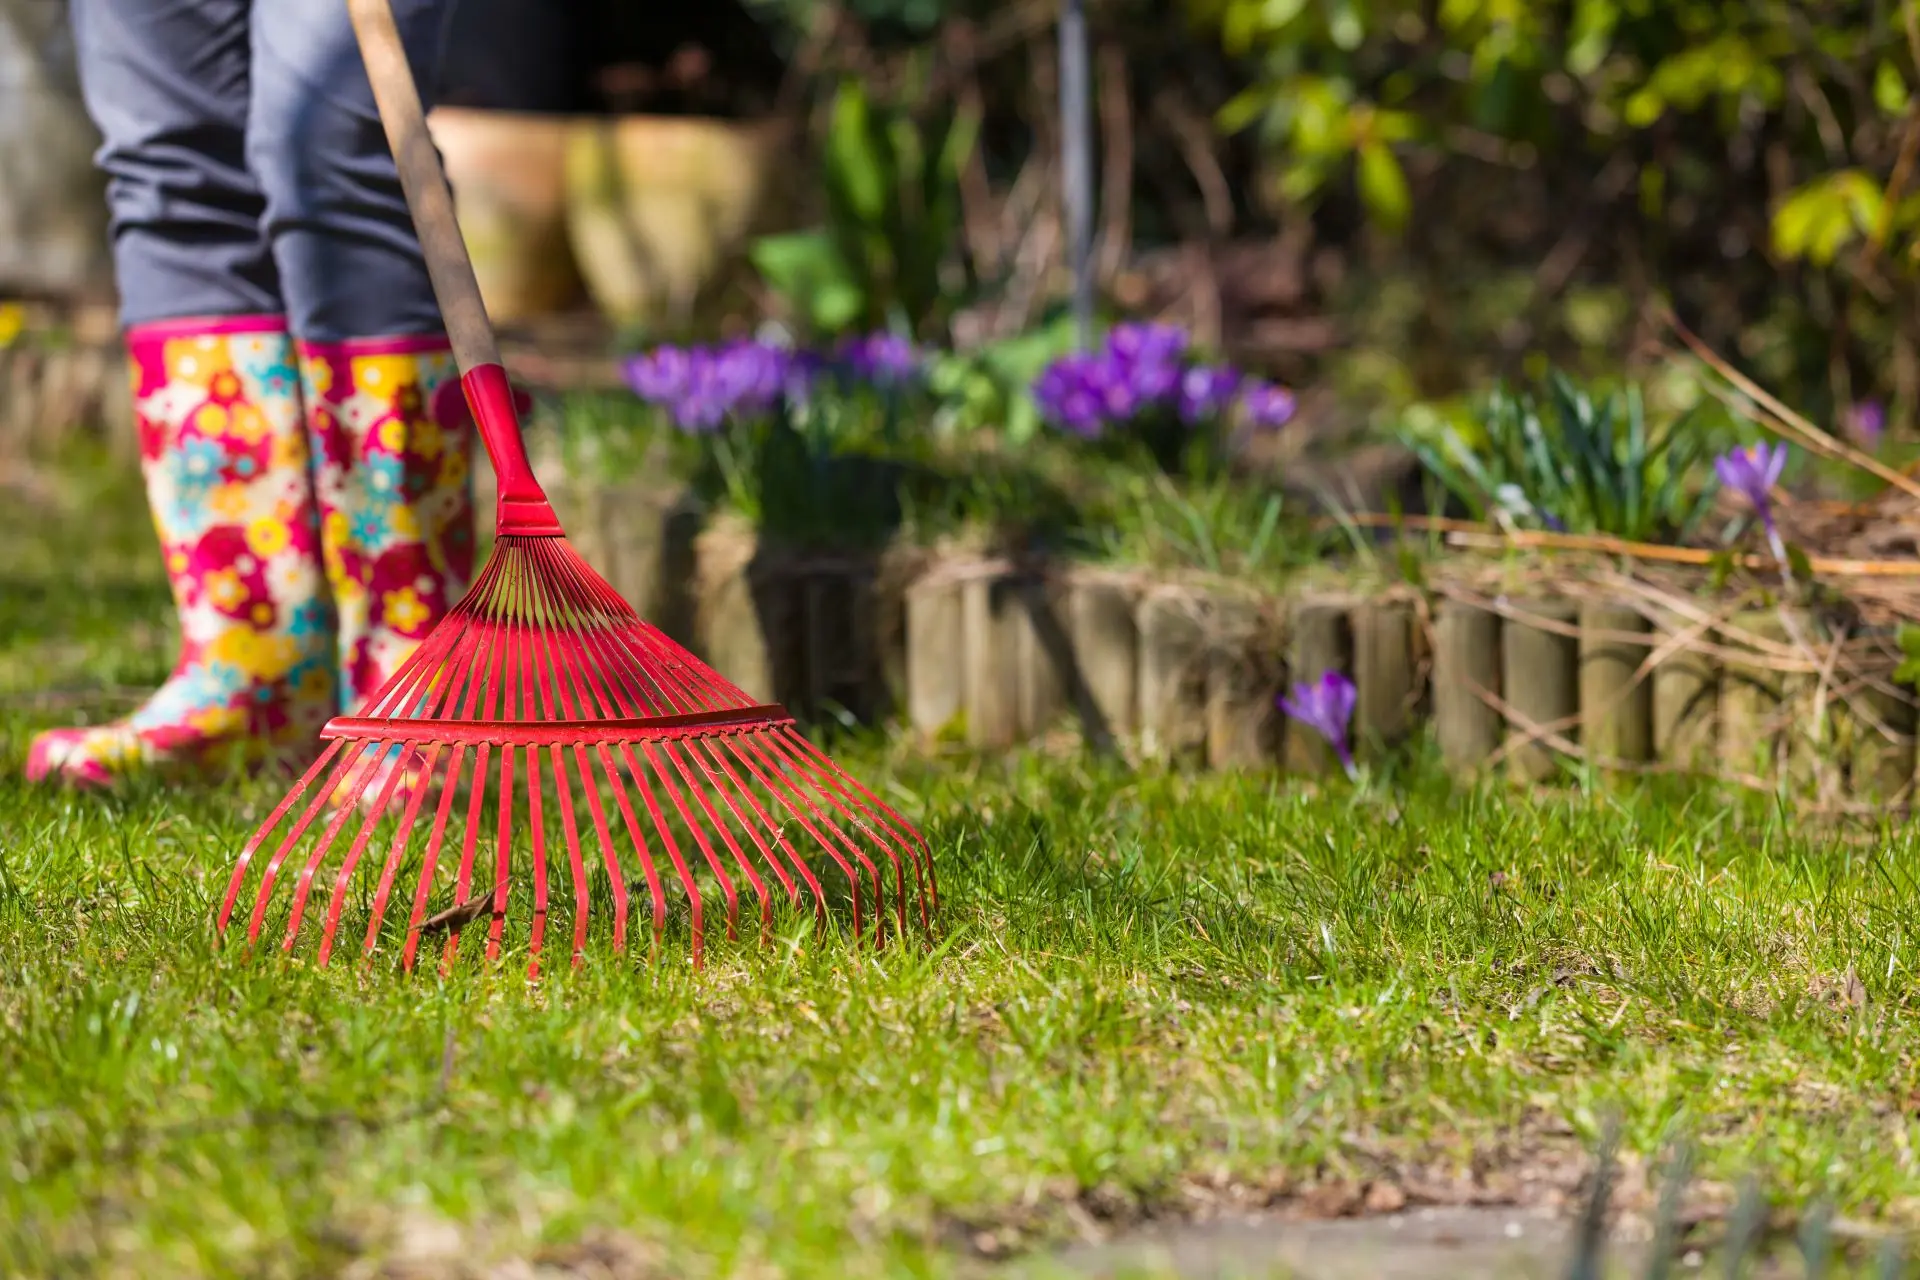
(660, 208)
(508, 173)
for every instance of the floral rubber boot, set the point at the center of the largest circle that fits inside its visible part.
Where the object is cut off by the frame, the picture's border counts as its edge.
(392, 442)
(223, 452)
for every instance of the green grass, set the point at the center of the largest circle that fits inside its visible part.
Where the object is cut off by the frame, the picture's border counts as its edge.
(1149, 991)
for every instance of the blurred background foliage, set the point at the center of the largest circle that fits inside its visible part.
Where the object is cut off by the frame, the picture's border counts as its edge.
(1382, 203)
(1396, 201)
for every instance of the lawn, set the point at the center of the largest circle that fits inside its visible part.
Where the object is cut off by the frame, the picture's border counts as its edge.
(1150, 996)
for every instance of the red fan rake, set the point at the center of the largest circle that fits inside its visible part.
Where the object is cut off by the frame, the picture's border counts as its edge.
(543, 720)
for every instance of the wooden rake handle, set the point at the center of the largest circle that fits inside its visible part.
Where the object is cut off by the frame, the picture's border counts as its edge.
(524, 509)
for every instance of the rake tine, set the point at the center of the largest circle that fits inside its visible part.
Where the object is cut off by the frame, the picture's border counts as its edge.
(652, 873)
(794, 788)
(503, 856)
(448, 788)
(853, 876)
(463, 880)
(563, 793)
(673, 851)
(520, 631)
(552, 680)
(699, 834)
(390, 698)
(699, 837)
(367, 823)
(479, 685)
(861, 819)
(353, 769)
(903, 831)
(401, 834)
(615, 880)
(719, 824)
(724, 783)
(537, 828)
(887, 827)
(267, 828)
(719, 769)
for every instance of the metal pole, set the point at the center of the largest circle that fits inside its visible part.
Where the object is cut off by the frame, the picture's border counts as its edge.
(1076, 146)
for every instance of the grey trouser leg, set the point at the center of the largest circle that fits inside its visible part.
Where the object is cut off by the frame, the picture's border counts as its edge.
(247, 172)
(167, 85)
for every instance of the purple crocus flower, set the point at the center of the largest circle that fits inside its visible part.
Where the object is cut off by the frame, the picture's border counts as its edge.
(1148, 343)
(1143, 371)
(659, 376)
(1071, 393)
(1147, 359)
(1752, 472)
(1206, 391)
(1267, 406)
(1326, 707)
(882, 359)
(1867, 423)
(701, 387)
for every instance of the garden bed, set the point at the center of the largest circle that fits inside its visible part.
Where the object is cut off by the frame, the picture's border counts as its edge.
(1525, 667)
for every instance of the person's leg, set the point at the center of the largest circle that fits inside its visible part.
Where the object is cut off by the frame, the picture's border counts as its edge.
(167, 85)
(391, 436)
(223, 445)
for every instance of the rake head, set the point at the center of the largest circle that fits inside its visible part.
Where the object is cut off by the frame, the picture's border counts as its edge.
(541, 720)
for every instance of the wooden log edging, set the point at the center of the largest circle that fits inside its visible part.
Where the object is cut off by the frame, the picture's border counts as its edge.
(995, 653)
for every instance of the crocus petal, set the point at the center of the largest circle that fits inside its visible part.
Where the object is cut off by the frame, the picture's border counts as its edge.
(1341, 696)
(1771, 463)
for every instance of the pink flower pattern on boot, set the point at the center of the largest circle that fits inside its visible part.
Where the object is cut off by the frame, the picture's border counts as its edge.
(224, 456)
(394, 479)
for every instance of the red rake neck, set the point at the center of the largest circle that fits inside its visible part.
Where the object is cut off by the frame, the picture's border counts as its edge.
(523, 509)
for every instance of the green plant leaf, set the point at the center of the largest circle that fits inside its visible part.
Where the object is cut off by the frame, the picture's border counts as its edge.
(1243, 109)
(1383, 186)
(1908, 672)
(858, 170)
(808, 272)
(1592, 35)
(1889, 89)
(1345, 25)
(1821, 218)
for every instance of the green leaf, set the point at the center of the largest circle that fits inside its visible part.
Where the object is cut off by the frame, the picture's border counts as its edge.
(808, 272)
(1023, 420)
(856, 166)
(1345, 27)
(1244, 108)
(1821, 218)
(1592, 35)
(1394, 126)
(1383, 186)
(1275, 14)
(1889, 89)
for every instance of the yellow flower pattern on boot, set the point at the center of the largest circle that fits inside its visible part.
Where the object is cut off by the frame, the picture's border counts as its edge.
(395, 495)
(222, 443)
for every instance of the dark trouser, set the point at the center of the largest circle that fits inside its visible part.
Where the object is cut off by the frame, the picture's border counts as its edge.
(246, 169)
